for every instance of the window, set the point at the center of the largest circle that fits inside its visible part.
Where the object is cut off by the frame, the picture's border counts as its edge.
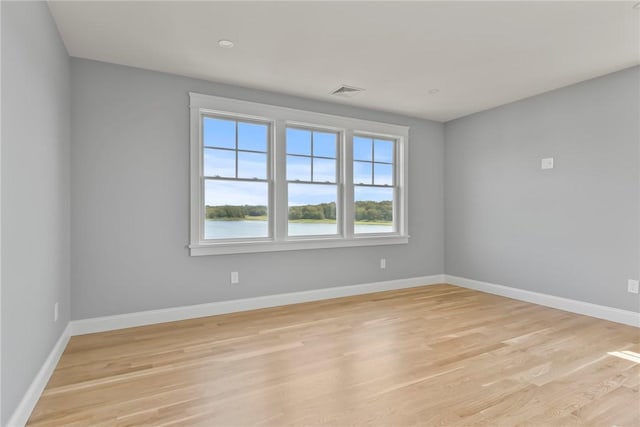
(312, 182)
(236, 184)
(267, 178)
(373, 180)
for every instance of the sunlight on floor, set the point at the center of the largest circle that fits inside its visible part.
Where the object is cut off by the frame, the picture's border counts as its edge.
(628, 355)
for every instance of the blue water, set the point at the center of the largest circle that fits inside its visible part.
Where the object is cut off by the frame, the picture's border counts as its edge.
(238, 229)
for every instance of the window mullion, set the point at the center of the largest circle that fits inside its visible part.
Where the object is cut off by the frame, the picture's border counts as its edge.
(400, 160)
(373, 159)
(348, 204)
(236, 150)
(311, 157)
(280, 210)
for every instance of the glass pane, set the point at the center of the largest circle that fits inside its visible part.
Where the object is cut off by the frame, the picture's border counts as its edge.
(252, 165)
(373, 210)
(298, 168)
(362, 173)
(235, 209)
(361, 148)
(324, 144)
(382, 174)
(312, 209)
(252, 136)
(219, 163)
(298, 141)
(383, 150)
(218, 133)
(324, 170)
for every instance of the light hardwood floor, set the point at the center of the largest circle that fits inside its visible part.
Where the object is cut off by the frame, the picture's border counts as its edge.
(435, 355)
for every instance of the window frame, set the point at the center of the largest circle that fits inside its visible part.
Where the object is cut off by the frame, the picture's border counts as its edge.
(394, 179)
(338, 181)
(268, 179)
(279, 118)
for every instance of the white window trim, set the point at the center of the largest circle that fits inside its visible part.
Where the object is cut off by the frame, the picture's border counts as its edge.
(280, 117)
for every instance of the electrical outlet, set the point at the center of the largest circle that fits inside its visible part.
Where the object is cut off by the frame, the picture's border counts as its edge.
(235, 277)
(546, 163)
(632, 286)
(55, 312)
(383, 263)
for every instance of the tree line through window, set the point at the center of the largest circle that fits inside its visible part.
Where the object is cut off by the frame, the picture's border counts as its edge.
(365, 211)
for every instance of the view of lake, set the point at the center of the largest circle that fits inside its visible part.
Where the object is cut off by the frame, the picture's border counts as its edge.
(236, 229)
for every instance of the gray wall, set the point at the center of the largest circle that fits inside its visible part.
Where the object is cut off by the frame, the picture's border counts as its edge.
(571, 231)
(35, 193)
(130, 205)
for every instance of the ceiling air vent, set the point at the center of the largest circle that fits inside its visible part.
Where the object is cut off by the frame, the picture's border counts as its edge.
(347, 91)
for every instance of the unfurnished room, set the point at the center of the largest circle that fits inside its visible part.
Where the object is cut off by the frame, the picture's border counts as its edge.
(304, 213)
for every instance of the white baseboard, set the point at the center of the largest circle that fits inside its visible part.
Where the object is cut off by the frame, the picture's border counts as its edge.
(129, 320)
(594, 310)
(22, 413)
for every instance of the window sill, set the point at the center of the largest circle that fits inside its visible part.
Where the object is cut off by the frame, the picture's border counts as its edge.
(292, 245)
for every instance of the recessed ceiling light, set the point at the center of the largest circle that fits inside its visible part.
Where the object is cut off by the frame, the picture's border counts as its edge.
(433, 91)
(225, 44)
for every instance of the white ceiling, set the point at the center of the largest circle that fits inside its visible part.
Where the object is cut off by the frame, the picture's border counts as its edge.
(478, 54)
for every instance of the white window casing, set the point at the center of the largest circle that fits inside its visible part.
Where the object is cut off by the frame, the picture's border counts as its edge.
(279, 118)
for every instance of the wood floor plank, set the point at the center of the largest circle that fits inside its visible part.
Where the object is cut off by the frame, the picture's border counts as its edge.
(433, 355)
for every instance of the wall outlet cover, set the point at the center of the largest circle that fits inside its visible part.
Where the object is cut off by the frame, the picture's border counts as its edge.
(547, 163)
(633, 286)
(235, 278)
